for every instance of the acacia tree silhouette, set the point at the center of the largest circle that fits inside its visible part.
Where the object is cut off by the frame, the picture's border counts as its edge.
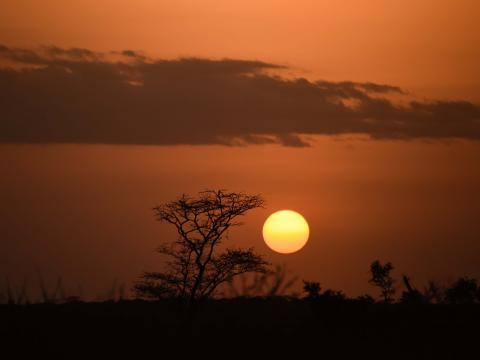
(196, 267)
(381, 277)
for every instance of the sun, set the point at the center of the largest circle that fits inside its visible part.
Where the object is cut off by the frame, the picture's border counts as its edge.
(285, 231)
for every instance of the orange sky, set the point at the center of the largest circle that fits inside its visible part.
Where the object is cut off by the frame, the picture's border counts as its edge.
(429, 47)
(83, 211)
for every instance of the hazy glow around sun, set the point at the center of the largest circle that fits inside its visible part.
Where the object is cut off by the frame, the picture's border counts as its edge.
(285, 231)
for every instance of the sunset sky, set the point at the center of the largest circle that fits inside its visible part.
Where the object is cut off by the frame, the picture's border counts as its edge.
(362, 115)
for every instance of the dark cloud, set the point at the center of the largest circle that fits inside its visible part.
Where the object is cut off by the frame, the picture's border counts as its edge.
(79, 96)
(47, 55)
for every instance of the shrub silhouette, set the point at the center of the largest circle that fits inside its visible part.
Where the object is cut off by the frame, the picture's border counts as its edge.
(411, 295)
(365, 298)
(462, 291)
(196, 268)
(333, 295)
(312, 289)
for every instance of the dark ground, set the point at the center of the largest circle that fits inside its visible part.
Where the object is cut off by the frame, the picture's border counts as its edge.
(241, 327)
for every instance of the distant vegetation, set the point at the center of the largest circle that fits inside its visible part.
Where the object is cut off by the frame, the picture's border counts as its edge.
(274, 282)
(206, 299)
(252, 317)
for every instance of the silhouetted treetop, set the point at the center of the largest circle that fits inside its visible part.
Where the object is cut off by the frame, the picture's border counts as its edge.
(380, 277)
(207, 216)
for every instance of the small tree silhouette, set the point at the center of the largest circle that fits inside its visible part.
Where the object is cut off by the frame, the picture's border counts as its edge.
(196, 267)
(381, 278)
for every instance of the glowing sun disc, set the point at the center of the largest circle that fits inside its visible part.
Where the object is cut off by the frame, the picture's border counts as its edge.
(285, 231)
